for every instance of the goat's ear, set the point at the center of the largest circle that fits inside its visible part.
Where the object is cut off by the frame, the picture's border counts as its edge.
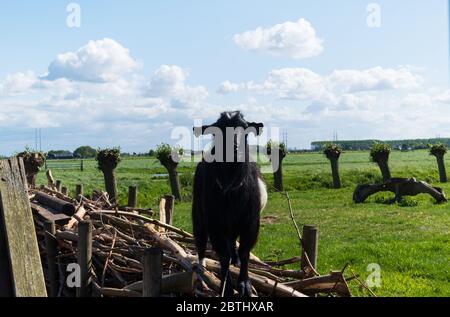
(257, 126)
(198, 131)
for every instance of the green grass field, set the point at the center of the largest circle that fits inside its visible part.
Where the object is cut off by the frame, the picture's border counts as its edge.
(411, 244)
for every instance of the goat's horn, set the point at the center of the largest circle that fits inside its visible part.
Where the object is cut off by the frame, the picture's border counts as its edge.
(257, 126)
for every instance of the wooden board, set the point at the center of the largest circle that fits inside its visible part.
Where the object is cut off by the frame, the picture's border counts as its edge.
(20, 246)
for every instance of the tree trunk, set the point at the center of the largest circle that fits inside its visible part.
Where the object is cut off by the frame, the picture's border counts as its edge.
(278, 177)
(111, 184)
(384, 167)
(335, 173)
(174, 182)
(31, 180)
(441, 167)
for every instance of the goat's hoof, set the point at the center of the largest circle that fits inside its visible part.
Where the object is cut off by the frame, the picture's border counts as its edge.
(228, 292)
(245, 289)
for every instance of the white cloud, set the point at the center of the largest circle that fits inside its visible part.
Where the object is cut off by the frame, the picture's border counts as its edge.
(293, 83)
(304, 84)
(167, 80)
(227, 87)
(417, 100)
(376, 78)
(18, 83)
(443, 97)
(170, 81)
(293, 39)
(98, 61)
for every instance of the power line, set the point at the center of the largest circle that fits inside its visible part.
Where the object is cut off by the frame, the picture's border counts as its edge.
(35, 138)
(285, 138)
(40, 140)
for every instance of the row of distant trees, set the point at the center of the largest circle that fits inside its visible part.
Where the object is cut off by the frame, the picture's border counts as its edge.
(86, 152)
(404, 145)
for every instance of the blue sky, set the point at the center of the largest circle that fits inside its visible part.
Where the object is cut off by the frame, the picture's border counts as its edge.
(167, 62)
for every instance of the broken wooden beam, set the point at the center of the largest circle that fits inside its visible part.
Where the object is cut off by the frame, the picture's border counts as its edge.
(178, 283)
(59, 205)
(47, 215)
(322, 284)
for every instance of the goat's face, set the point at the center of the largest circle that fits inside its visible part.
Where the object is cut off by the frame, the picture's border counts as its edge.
(230, 136)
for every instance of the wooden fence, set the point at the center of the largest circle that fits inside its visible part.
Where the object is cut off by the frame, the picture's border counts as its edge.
(69, 165)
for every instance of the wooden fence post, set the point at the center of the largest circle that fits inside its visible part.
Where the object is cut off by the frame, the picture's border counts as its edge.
(79, 191)
(58, 185)
(152, 272)
(65, 191)
(84, 255)
(132, 196)
(51, 247)
(82, 165)
(310, 245)
(169, 208)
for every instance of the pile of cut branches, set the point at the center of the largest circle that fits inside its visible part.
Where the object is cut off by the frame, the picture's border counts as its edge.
(120, 237)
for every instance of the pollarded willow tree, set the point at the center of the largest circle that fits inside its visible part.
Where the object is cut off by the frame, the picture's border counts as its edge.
(33, 162)
(439, 151)
(169, 157)
(277, 153)
(380, 155)
(333, 153)
(108, 159)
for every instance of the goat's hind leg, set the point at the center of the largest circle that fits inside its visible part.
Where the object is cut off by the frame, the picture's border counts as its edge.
(201, 236)
(234, 254)
(201, 240)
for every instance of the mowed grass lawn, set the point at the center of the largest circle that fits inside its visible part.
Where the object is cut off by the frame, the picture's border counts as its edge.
(411, 243)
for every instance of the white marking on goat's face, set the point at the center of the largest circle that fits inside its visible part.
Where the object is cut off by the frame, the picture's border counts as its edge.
(263, 193)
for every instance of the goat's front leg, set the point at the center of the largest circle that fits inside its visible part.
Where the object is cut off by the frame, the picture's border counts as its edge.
(226, 285)
(245, 287)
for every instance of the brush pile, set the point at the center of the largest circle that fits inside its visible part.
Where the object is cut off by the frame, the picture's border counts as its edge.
(120, 236)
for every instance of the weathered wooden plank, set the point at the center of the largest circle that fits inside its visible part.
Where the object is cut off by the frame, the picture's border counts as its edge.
(20, 243)
(6, 289)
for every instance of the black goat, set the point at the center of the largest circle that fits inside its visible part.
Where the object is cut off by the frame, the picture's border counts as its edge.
(229, 195)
